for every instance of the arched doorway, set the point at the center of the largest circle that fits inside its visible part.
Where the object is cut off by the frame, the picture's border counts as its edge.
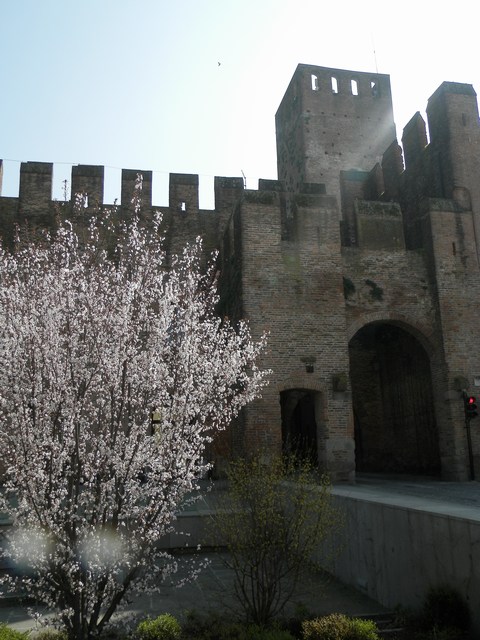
(395, 430)
(299, 425)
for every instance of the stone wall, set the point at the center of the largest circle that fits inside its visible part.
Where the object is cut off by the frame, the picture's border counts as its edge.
(394, 548)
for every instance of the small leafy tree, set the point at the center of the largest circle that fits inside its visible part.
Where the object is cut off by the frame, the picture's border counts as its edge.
(90, 345)
(275, 515)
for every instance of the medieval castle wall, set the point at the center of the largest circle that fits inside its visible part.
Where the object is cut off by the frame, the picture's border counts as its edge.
(363, 269)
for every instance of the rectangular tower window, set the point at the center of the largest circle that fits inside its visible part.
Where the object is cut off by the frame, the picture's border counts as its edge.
(334, 85)
(354, 84)
(314, 79)
(374, 88)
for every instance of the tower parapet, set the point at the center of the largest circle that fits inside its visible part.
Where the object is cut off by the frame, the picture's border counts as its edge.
(392, 169)
(447, 167)
(227, 192)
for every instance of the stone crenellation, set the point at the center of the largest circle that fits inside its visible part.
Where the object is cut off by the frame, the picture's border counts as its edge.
(361, 261)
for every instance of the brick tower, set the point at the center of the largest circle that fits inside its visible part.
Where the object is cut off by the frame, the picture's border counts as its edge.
(331, 120)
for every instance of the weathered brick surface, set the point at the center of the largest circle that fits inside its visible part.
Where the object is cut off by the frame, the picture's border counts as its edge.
(365, 274)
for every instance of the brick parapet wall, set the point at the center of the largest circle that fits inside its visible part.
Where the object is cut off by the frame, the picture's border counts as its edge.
(183, 220)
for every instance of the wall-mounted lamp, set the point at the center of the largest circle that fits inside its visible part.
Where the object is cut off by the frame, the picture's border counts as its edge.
(155, 420)
(309, 362)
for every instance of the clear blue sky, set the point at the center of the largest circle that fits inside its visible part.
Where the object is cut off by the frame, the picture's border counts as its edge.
(136, 83)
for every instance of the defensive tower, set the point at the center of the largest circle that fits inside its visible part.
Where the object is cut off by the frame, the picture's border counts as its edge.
(332, 120)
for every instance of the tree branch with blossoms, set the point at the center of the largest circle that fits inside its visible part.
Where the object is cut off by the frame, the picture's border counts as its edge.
(90, 345)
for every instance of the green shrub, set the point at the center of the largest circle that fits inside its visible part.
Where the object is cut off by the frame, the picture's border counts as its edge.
(165, 627)
(213, 626)
(332, 627)
(337, 626)
(436, 633)
(362, 629)
(210, 627)
(255, 632)
(444, 607)
(7, 633)
(48, 634)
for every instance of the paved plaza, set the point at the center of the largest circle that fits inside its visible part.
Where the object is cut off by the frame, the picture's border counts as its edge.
(212, 592)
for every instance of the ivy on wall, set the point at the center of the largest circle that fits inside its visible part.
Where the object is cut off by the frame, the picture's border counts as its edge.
(375, 291)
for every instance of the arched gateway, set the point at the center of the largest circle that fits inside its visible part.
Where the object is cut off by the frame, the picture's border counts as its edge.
(299, 423)
(392, 400)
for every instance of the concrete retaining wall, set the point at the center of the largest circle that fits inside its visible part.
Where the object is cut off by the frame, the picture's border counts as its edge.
(395, 549)
(394, 546)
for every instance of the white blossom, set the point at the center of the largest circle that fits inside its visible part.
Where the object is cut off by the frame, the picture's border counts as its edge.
(90, 345)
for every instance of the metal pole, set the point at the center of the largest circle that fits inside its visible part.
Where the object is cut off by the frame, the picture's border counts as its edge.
(470, 452)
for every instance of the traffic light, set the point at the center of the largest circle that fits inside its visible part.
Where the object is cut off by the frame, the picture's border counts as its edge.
(470, 404)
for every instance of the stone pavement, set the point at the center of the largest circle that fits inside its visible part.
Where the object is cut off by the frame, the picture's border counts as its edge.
(459, 499)
(212, 591)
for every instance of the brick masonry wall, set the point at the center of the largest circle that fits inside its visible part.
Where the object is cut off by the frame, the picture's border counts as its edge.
(293, 289)
(453, 260)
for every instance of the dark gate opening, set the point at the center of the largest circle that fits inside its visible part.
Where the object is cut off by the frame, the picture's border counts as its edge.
(299, 427)
(395, 430)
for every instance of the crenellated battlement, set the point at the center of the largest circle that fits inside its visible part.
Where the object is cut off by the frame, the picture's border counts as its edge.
(34, 208)
(36, 184)
(370, 86)
(324, 120)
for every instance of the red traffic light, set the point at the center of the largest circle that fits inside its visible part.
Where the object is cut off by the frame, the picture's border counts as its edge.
(470, 404)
